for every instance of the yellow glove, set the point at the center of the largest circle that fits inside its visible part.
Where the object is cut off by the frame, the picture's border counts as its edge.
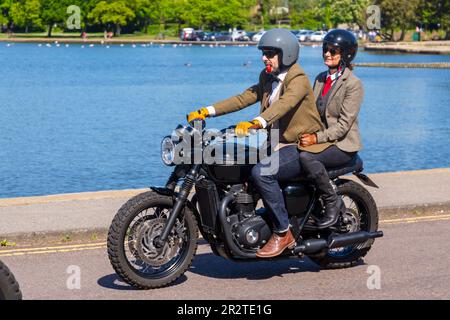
(243, 127)
(198, 115)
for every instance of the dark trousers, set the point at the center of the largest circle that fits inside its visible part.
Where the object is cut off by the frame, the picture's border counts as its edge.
(331, 157)
(282, 165)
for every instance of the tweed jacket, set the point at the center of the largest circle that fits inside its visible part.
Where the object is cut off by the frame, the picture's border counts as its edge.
(295, 110)
(341, 113)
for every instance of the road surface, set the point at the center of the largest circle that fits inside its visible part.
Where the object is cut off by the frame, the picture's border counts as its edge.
(410, 262)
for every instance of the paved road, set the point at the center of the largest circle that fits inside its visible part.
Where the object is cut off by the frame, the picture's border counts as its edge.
(412, 257)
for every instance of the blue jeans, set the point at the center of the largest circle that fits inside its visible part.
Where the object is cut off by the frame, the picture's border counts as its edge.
(266, 177)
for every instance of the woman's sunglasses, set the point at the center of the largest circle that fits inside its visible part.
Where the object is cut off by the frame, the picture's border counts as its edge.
(333, 51)
(269, 53)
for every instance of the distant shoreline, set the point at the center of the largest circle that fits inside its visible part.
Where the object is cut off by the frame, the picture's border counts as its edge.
(118, 41)
(425, 47)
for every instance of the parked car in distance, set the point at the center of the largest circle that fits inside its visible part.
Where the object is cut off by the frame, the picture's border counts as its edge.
(305, 35)
(189, 34)
(219, 36)
(250, 35)
(318, 36)
(258, 36)
(240, 35)
(185, 33)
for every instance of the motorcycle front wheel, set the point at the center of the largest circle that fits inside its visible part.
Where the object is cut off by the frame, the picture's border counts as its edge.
(131, 242)
(9, 288)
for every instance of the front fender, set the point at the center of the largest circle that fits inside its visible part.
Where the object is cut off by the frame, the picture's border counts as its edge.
(163, 191)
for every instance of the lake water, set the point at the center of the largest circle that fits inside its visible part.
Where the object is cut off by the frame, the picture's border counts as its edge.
(76, 119)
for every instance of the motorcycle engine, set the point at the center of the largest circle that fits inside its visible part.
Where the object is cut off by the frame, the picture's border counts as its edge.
(249, 229)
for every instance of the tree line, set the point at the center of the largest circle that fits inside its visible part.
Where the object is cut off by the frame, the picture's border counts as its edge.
(131, 16)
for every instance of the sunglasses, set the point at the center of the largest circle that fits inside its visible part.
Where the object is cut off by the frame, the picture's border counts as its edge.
(332, 51)
(269, 53)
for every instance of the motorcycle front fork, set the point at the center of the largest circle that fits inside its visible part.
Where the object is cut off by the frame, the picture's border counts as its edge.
(188, 184)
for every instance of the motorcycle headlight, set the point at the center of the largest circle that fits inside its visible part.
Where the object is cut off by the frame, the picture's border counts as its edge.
(167, 151)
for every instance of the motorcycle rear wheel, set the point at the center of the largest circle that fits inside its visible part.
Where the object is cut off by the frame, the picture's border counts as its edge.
(9, 288)
(361, 207)
(131, 247)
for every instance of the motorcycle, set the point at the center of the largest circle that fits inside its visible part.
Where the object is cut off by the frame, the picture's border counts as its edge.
(9, 288)
(153, 237)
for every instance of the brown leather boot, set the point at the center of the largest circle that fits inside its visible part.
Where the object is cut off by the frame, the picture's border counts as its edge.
(276, 245)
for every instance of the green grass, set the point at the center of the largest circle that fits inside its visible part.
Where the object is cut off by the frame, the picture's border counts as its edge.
(66, 238)
(6, 243)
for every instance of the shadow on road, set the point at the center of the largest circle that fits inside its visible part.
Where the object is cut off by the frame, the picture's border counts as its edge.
(113, 281)
(210, 265)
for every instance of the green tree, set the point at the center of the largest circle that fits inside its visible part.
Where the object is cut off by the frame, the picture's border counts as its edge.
(86, 6)
(214, 14)
(161, 12)
(26, 13)
(177, 12)
(349, 11)
(143, 13)
(115, 13)
(304, 14)
(5, 18)
(401, 14)
(54, 12)
(435, 14)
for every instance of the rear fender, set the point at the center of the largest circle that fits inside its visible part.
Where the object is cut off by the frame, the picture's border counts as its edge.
(366, 180)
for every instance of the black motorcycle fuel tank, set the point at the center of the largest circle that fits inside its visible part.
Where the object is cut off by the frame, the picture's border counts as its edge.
(232, 163)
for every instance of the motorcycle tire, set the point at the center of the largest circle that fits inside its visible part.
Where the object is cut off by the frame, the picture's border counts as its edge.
(9, 288)
(367, 204)
(118, 233)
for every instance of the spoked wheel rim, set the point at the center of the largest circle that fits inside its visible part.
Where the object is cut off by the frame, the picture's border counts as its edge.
(354, 219)
(143, 256)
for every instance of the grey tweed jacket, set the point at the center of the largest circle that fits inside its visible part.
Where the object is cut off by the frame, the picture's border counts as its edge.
(342, 111)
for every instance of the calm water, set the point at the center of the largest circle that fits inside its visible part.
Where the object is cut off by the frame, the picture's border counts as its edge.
(75, 119)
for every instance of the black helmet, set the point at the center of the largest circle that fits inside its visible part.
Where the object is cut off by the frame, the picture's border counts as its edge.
(283, 40)
(346, 41)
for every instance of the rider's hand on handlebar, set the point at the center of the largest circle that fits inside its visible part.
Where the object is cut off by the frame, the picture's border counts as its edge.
(243, 127)
(198, 115)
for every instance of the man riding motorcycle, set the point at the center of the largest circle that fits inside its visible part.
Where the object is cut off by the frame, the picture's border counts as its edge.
(287, 104)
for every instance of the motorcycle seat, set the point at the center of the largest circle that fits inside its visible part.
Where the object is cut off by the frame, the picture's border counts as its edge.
(354, 165)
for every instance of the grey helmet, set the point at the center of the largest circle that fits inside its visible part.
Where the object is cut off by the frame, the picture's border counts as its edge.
(283, 40)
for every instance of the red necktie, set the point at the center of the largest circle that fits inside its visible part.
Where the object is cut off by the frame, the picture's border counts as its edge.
(327, 86)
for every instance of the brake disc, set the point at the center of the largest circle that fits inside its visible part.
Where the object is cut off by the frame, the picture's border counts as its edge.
(351, 221)
(132, 235)
(145, 247)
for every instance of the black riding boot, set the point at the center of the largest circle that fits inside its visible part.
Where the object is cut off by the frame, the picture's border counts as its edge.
(332, 202)
(316, 172)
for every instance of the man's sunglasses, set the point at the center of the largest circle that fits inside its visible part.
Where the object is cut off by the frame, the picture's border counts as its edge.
(333, 51)
(269, 53)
